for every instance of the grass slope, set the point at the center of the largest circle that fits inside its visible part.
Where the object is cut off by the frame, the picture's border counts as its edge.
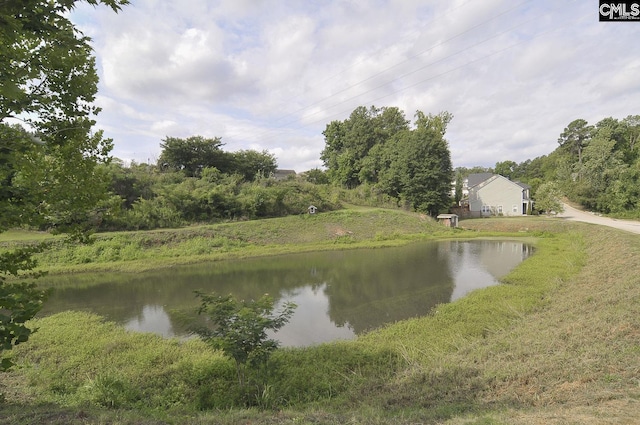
(557, 343)
(144, 250)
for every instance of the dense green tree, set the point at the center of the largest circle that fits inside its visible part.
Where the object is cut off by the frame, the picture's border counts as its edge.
(420, 169)
(133, 182)
(377, 146)
(575, 137)
(316, 176)
(348, 144)
(631, 128)
(616, 131)
(48, 72)
(192, 154)
(475, 170)
(601, 172)
(459, 185)
(506, 169)
(623, 195)
(548, 198)
(602, 166)
(251, 164)
(48, 81)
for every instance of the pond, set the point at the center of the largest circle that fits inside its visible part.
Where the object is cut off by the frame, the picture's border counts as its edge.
(339, 294)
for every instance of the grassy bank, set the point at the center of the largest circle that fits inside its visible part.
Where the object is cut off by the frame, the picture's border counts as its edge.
(145, 250)
(557, 343)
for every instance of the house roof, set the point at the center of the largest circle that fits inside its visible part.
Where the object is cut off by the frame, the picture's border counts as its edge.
(477, 178)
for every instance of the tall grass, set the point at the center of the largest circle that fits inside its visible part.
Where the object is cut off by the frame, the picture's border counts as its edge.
(557, 342)
(143, 250)
(77, 359)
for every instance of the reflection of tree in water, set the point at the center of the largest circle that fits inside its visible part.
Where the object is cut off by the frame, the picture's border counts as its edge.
(389, 285)
(122, 296)
(365, 288)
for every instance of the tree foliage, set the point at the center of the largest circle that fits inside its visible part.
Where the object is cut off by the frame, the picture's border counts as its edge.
(548, 198)
(419, 169)
(251, 164)
(506, 169)
(348, 143)
(239, 328)
(145, 198)
(575, 137)
(19, 301)
(47, 67)
(193, 154)
(605, 175)
(378, 146)
(49, 176)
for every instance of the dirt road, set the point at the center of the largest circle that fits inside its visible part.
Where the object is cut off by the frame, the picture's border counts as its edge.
(571, 213)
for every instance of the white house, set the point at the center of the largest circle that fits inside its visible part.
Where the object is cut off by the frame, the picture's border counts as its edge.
(492, 194)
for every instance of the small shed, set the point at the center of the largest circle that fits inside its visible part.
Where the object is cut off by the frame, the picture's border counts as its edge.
(312, 209)
(449, 220)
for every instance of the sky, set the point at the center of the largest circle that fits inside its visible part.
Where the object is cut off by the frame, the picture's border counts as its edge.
(271, 74)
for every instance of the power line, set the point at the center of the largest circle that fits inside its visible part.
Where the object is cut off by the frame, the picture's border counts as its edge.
(445, 72)
(269, 133)
(410, 58)
(386, 69)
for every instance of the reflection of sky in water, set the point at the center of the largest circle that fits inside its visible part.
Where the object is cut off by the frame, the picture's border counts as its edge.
(480, 265)
(152, 319)
(469, 274)
(310, 323)
(360, 289)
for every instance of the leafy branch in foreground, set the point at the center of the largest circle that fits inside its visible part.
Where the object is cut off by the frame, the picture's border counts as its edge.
(19, 300)
(239, 328)
(48, 175)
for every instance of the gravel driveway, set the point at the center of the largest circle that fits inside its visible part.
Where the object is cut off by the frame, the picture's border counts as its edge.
(571, 213)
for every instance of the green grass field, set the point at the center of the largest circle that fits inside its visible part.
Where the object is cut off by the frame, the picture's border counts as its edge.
(144, 250)
(557, 343)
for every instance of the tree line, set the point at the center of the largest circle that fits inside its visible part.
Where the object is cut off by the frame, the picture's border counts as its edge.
(379, 147)
(195, 181)
(375, 151)
(596, 166)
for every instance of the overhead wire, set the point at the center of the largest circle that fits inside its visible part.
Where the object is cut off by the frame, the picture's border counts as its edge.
(324, 99)
(343, 112)
(269, 134)
(408, 59)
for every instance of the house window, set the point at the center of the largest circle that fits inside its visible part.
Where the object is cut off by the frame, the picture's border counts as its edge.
(486, 209)
(500, 209)
(514, 208)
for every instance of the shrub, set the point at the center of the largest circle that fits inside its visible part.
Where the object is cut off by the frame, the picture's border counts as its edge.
(239, 329)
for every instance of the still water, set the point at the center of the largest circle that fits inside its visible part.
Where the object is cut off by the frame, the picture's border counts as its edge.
(339, 294)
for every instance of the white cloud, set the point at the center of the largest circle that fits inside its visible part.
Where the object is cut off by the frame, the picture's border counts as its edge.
(270, 75)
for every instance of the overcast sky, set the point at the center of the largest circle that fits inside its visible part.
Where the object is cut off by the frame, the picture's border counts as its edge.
(270, 75)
